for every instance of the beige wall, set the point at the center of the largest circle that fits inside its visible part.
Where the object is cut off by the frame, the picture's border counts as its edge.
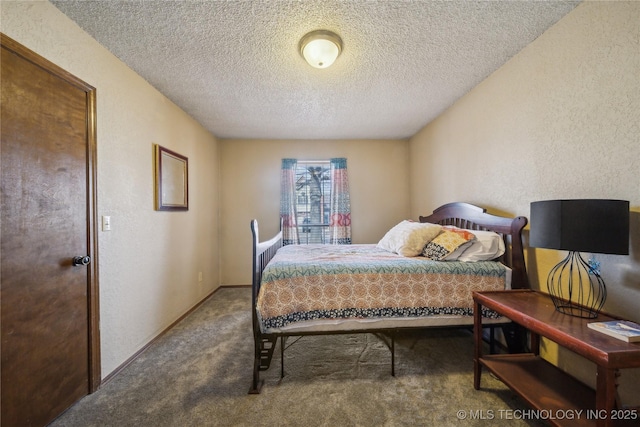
(250, 188)
(560, 120)
(149, 262)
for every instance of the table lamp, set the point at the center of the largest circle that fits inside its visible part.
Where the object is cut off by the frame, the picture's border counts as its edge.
(580, 225)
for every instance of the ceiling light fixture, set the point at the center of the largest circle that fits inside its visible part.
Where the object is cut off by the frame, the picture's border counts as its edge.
(320, 48)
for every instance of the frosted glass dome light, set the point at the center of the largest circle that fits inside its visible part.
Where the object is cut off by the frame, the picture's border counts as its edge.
(320, 48)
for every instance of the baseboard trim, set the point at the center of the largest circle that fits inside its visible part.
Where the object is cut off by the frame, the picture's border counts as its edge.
(137, 354)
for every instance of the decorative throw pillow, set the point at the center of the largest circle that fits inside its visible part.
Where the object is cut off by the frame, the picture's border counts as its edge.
(409, 238)
(488, 245)
(447, 242)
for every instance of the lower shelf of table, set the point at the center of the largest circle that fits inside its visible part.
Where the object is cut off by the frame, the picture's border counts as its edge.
(545, 387)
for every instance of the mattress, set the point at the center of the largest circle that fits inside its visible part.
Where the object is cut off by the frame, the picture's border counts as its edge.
(315, 288)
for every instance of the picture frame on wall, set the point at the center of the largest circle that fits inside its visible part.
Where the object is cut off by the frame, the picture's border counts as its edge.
(171, 180)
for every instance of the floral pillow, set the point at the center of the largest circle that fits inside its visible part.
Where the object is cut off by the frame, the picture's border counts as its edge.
(445, 243)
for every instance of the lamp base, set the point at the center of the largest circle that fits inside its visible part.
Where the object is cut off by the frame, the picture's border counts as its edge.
(575, 310)
(575, 289)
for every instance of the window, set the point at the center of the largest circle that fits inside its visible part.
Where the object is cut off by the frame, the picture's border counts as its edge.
(315, 207)
(313, 195)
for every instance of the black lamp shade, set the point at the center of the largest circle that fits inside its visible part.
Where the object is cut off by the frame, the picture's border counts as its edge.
(581, 225)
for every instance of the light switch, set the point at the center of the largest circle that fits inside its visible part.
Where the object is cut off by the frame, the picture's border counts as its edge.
(106, 223)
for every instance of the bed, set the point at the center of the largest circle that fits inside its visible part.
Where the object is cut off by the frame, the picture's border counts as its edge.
(381, 288)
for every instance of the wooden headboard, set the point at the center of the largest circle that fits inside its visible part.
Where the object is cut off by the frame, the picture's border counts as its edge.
(465, 215)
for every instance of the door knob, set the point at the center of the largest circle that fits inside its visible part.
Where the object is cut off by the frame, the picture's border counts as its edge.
(81, 260)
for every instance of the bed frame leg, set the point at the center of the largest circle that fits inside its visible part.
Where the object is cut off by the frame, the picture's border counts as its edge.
(282, 344)
(256, 388)
(516, 338)
(393, 354)
(263, 351)
(492, 339)
(256, 384)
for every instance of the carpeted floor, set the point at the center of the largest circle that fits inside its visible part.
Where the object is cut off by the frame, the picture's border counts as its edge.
(199, 373)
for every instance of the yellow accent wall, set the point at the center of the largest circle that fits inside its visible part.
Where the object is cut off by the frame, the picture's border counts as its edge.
(561, 119)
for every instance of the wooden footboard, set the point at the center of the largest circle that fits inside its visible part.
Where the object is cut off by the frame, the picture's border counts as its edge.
(461, 215)
(263, 345)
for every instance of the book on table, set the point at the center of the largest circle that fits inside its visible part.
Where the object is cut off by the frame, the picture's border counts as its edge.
(622, 329)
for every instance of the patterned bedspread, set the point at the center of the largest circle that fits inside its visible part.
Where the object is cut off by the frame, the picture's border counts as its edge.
(313, 282)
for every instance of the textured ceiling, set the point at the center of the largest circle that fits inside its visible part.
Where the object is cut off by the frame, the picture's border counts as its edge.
(234, 66)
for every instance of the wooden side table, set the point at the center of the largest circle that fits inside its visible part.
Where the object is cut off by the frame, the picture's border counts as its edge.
(544, 386)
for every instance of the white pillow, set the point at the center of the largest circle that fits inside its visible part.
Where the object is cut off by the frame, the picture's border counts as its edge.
(409, 238)
(487, 246)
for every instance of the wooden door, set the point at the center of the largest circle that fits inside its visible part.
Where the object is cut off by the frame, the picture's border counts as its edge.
(50, 343)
